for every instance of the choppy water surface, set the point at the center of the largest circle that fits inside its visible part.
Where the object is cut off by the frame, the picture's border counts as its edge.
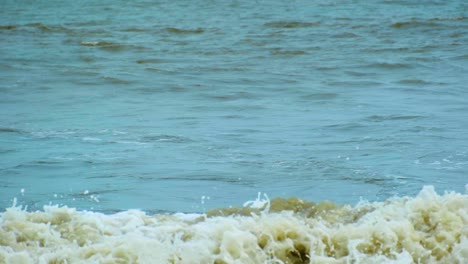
(153, 105)
(187, 106)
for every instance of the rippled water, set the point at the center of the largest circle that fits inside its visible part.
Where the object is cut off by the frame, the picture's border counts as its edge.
(135, 131)
(185, 106)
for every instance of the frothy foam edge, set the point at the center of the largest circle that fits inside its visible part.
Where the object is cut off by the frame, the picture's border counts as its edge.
(427, 228)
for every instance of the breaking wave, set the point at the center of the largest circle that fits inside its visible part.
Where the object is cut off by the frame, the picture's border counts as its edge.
(427, 228)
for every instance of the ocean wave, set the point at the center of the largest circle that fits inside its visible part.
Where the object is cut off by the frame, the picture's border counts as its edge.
(278, 51)
(111, 46)
(166, 138)
(8, 27)
(9, 130)
(415, 81)
(320, 96)
(406, 24)
(184, 31)
(427, 228)
(382, 118)
(240, 95)
(291, 24)
(49, 28)
(117, 81)
(389, 65)
(429, 23)
(151, 61)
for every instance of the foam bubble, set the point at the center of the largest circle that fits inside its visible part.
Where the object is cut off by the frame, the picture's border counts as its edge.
(427, 228)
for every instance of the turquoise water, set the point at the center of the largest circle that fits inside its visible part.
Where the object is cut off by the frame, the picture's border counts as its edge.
(177, 131)
(186, 106)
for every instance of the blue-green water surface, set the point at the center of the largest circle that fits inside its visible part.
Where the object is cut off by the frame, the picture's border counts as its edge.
(191, 105)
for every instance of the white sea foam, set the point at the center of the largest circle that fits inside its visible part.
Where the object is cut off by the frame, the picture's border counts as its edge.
(428, 228)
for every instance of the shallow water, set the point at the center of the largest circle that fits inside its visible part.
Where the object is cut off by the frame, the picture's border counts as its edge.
(189, 106)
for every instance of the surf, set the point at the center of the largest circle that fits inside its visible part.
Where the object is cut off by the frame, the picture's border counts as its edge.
(426, 228)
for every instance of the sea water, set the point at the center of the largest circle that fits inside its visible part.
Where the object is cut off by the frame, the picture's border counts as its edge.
(137, 131)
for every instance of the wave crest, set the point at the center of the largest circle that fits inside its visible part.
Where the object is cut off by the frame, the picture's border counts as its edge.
(428, 228)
